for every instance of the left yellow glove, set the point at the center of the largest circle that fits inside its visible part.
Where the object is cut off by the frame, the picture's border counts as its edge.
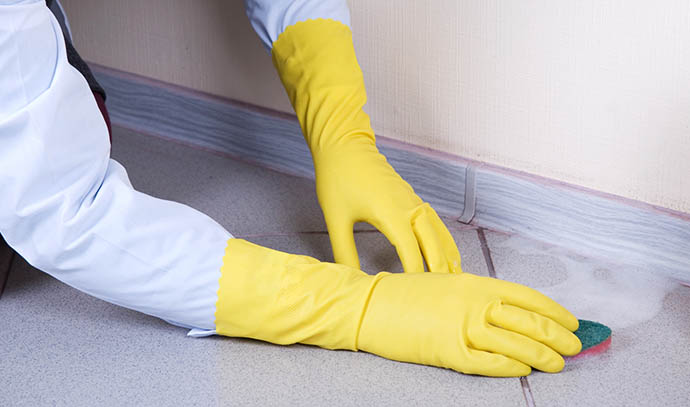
(354, 183)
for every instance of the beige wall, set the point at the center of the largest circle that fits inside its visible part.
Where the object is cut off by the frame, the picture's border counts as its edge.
(594, 93)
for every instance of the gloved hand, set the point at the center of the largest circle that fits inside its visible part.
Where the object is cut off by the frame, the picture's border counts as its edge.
(470, 324)
(317, 65)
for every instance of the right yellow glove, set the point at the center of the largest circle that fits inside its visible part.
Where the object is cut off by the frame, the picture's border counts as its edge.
(470, 324)
(354, 182)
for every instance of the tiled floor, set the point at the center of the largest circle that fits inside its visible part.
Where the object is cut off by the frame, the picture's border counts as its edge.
(648, 363)
(61, 347)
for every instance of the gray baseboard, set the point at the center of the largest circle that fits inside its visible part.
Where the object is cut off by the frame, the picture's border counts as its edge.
(590, 223)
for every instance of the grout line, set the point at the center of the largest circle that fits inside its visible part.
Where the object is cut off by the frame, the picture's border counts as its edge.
(527, 392)
(526, 389)
(451, 225)
(487, 252)
(366, 231)
(313, 232)
(280, 234)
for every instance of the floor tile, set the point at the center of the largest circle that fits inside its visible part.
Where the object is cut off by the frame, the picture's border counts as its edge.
(648, 362)
(244, 198)
(67, 348)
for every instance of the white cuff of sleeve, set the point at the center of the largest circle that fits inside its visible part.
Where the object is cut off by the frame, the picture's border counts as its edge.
(271, 17)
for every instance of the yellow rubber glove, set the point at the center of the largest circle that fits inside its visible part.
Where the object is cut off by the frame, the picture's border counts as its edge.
(317, 65)
(470, 324)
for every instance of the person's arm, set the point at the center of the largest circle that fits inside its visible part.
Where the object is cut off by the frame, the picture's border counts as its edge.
(312, 50)
(69, 209)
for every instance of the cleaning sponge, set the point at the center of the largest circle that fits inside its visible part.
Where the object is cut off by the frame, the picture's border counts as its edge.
(595, 338)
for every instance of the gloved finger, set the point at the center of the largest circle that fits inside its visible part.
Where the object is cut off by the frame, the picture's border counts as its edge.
(342, 238)
(428, 241)
(492, 364)
(531, 299)
(446, 240)
(516, 346)
(535, 326)
(401, 236)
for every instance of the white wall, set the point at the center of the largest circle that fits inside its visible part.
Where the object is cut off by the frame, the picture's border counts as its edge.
(595, 93)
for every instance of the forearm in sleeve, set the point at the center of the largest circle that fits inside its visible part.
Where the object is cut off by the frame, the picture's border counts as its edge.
(69, 209)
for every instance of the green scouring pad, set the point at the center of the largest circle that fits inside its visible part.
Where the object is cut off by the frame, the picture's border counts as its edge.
(595, 338)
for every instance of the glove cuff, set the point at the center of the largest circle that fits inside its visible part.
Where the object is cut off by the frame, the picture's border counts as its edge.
(317, 65)
(284, 298)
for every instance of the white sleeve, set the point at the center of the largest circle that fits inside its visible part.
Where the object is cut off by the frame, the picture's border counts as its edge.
(270, 17)
(69, 209)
